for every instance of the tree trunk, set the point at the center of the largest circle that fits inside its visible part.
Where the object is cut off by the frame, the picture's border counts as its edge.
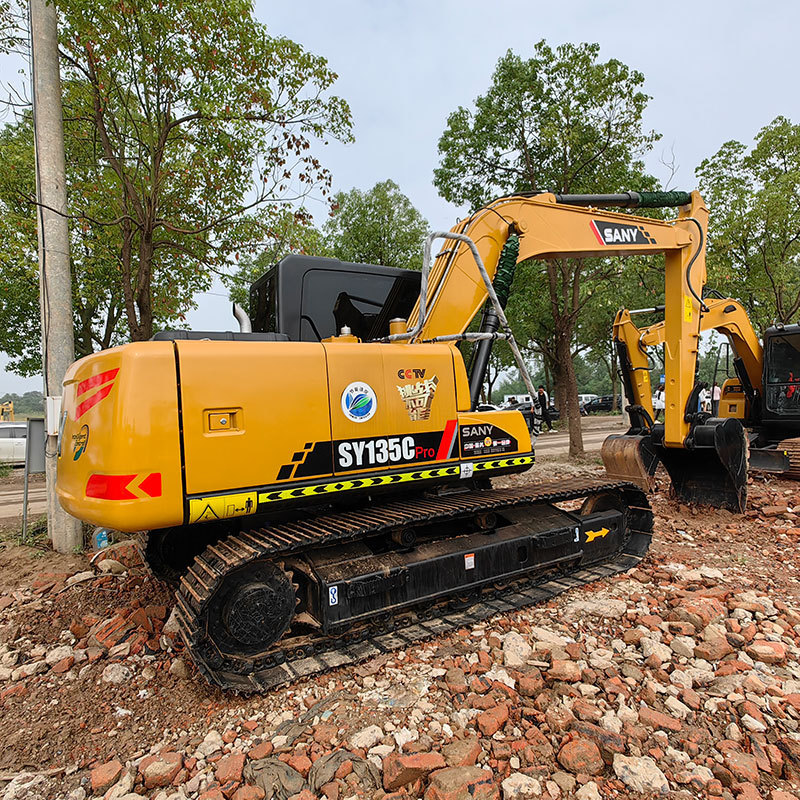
(567, 386)
(616, 401)
(563, 282)
(144, 300)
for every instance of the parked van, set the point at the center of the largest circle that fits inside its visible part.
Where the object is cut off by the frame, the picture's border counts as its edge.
(13, 439)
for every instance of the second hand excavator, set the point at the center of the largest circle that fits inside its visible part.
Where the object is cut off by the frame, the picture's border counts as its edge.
(757, 423)
(318, 484)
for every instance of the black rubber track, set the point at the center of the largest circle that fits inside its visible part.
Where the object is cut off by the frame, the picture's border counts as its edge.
(320, 653)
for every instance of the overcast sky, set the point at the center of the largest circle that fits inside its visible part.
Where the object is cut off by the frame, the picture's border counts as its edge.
(715, 70)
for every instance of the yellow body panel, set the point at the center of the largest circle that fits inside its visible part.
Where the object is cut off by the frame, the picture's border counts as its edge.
(120, 437)
(415, 393)
(278, 391)
(265, 423)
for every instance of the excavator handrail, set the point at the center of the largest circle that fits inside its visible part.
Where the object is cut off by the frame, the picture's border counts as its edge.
(508, 334)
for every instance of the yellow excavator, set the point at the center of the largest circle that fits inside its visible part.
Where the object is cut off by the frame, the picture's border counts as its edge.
(757, 421)
(318, 483)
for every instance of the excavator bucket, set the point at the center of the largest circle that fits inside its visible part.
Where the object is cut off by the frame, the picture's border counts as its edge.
(630, 457)
(714, 472)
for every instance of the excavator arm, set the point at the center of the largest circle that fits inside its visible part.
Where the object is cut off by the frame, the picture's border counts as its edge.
(707, 458)
(709, 463)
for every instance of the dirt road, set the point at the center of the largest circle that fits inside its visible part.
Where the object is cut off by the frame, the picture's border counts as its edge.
(11, 501)
(595, 430)
(681, 679)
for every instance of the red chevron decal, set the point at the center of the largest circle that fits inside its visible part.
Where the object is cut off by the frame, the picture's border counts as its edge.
(97, 380)
(92, 401)
(110, 487)
(119, 487)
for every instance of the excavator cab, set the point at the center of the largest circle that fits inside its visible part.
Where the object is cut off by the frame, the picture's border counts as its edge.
(781, 402)
(308, 298)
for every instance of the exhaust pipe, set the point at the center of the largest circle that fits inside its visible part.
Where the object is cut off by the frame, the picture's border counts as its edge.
(245, 326)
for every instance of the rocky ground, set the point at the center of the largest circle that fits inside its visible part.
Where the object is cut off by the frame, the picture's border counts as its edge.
(681, 678)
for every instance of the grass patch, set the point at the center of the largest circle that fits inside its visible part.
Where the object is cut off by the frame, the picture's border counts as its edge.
(35, 537)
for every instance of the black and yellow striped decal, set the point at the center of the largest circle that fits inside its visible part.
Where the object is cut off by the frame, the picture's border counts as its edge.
(502, 463)
(450, 471)
(219, 506)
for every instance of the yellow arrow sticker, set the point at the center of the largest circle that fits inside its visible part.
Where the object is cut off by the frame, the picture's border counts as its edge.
(592, 535)
(687, 308)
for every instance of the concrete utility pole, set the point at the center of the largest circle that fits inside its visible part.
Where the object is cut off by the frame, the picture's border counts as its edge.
(55, 286)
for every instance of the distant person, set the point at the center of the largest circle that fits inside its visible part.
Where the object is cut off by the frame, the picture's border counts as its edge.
(716, 394)
(702, 400)
(544, 404)
(659, 400)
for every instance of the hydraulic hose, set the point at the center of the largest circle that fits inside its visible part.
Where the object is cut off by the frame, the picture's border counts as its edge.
(703, 306)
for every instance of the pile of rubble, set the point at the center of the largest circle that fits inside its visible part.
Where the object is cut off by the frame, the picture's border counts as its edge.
(679, 679)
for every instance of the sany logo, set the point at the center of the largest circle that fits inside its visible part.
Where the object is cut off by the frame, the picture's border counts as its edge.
(410, 374)
(105, 380)
(610, 233)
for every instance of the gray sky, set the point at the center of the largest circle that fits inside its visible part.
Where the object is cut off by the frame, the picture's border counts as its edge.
(715, 70)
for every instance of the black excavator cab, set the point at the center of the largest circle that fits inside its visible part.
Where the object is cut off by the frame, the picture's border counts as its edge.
(780, 406)
(308, 298)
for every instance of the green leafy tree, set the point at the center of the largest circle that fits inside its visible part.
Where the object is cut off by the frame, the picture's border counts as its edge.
(19, 287)
(27, 405)
(754, 233)
(97, 296)
(379, 226)
(291, 232)
(191, 128)
(564, 121)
